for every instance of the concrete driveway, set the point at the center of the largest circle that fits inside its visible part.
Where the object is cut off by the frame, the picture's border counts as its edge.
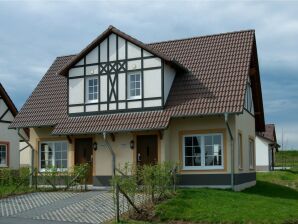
(58, 207)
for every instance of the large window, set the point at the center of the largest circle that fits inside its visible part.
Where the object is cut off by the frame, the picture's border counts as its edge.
(134, 85)
(251, 153)
(240, 151)
(92, 90)
(3, 155)
(53, 154)
(203, 151)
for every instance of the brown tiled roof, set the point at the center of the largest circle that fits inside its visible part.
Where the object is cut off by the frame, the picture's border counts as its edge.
(218, 70)
(269, 133)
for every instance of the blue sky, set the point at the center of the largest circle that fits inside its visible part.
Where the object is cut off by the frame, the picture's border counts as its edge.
(34, 33)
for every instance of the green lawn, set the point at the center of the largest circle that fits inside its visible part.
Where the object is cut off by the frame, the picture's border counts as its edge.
(287, 158)
(268, 202)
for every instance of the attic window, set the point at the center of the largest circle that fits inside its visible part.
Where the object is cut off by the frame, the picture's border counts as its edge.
(3, 155)
(92, 90)
(249, 106)
(134, 85)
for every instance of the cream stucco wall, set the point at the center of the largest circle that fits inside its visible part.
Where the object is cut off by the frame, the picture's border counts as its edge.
(245, 124)
(262, 152)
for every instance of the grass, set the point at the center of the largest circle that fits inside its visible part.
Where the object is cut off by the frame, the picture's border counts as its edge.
(287, 158)
(6, 191)
(268, 202)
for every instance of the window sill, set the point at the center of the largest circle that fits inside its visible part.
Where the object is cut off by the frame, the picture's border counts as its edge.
(134, 98)
(202, 168)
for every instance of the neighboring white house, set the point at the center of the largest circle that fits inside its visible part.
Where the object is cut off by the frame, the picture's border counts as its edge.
(9, 139)
(266, 146)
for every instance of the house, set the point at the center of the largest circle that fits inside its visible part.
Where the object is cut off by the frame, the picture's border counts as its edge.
(9, 139)
(266, 147)
(196, 101)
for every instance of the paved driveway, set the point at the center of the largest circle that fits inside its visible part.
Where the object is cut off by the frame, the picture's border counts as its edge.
(58, 207)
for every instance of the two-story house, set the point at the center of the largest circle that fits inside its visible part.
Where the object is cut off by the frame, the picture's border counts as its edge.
(196, 101)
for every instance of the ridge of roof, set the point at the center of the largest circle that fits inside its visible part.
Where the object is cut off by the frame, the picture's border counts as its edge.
(202, 36)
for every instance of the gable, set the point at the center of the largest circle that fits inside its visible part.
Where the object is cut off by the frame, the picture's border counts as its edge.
(100, 81)
(7, 109)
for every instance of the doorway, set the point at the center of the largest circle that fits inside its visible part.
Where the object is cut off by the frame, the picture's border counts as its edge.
(147, 149)
(84, 154)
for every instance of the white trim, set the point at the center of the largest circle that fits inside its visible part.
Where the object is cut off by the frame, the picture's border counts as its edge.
(128, 85)
(87, 90)
(202, 146)
(53, 161)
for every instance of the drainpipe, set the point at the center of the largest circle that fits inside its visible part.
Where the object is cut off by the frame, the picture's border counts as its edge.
(232, 150)
(104, 134)
(32, 155)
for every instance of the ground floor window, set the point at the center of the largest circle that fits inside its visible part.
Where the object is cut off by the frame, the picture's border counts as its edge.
(3, 155)
(53, 154)
(203, 151)
(251, 153)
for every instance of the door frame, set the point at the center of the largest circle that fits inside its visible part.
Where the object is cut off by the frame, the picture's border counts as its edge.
(135, 151)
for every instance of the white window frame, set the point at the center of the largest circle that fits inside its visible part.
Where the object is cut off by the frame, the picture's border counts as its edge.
(54, 160)
(202, 145)
(128, 85)
(251, 153)
(6, 154)
(87, 90)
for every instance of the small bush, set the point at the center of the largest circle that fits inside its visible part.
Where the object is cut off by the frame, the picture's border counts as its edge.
(9, 177)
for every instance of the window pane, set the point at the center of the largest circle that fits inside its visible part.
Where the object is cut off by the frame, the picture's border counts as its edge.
(138, 85)
(132, 78)
(188, 141)
(138, 93)
(188, 151)
(196, 140)
(132, 93)
(208, 140)
(209, 160)
(188, 161)
(209, 150)
(197, 150)
(197, 161)
(217, 139)
(64, 164)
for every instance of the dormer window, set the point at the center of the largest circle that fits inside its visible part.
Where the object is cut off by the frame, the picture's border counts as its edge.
(92, 90)
(134, 85)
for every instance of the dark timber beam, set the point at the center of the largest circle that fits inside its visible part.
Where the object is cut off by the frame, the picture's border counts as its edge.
(69, 139)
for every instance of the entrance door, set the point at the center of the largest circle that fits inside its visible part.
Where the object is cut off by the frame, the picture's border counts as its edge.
(147, 149)
(84, 154)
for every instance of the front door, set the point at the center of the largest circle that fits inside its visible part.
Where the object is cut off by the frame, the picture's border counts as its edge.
(84, 154)
(147, 149)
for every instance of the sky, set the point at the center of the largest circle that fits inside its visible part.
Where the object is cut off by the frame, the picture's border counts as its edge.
(34, 33)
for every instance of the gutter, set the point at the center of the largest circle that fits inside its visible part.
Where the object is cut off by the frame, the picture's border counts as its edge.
(32, 154)
(109, 147)
(232, 150)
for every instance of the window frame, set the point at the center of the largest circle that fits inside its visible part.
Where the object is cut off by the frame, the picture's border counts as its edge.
(202, 145)
(6, 144)
(129, 74)
(251, 153)
(87, 100)
(240, 151)
(54, 159)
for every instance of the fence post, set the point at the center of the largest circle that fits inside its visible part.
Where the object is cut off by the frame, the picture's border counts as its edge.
(117, 204)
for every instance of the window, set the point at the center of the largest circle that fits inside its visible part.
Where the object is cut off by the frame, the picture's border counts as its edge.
(92, 90)
(3, 155)
(249, 106)
(53, 154)
(134, 86)
(251, 153)
(203, 151)
(240, 151)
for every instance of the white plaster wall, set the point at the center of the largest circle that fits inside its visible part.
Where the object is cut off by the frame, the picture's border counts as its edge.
(103, 88)
(73, 72)
(76, 91)
(92, 57)
(133, 51)
(169, 75)
(152, 83)
(25, 155)
(262, 152)
(11, 136)
(112, 47)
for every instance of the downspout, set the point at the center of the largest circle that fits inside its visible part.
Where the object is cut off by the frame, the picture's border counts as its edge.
(32, 155)
(111, 151)
(232, 150)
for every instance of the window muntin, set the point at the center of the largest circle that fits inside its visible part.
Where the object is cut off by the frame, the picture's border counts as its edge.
(134, 85)
(53, 154)
(240, 152)
(92, 90)
(203, 151)
(251, 146)
(3, 155)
